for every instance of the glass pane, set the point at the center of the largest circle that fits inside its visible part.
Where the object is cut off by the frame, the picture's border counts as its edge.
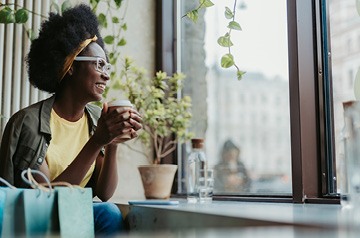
(246, 123)
(344, 31)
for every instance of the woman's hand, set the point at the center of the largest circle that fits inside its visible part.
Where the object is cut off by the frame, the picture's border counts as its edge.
(135, 124)
(114, 124)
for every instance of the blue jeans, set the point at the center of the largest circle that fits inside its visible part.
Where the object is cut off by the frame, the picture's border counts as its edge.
(107, 219)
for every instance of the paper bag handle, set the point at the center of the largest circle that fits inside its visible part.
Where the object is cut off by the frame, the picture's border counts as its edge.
(32, 182)
(6, 183)
(66, 184)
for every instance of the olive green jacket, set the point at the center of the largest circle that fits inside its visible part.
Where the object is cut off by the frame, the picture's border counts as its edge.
(27, 136)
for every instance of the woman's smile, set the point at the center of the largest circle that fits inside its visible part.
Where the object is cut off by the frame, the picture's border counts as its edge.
(101, 86)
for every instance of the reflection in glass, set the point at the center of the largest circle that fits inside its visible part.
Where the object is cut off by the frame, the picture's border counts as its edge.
(246, 124)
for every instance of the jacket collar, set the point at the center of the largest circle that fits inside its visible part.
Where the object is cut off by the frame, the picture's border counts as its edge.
(45, 112)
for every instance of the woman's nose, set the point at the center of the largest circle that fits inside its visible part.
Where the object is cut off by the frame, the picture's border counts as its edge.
(105, 76)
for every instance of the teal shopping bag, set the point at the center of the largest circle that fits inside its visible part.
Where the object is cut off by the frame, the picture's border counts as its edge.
(76, 218)
(13, 223)
(40, 213)
(65, 211)
(28, 212)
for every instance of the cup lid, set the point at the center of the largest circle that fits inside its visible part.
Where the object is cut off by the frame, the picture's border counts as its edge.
(120, 102)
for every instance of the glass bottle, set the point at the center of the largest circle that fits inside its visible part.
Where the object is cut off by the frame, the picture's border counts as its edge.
(196, 162)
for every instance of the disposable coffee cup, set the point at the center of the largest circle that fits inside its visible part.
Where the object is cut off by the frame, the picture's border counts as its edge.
(124, 104)
(119, 103)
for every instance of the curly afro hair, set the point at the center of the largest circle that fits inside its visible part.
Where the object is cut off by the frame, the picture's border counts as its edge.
(59, 36)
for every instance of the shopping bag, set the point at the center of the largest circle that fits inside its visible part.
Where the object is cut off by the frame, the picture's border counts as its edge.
(75, 211)
(38, 205)
(13, 223)
(44, 210)
(72, 210)
(27, 212)
(39, 212)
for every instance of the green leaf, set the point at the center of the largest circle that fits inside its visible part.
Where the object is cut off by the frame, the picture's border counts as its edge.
(109, 39)
(240, 74)
(234, 25)
(228, 13)
(102, 20)
(66, 5)
(206, 3)
(227, 61)
(94, 1)
(31, 34)
(115, 20)
(193, 15)
(93, 4)
(118, 3)
(21, 16)
(7, 15)
(121, 42)
(225, 41)
(54, 8)
(113, 61)
(124, 26)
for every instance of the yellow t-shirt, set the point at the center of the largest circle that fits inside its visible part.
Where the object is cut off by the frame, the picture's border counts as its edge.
(67, 140)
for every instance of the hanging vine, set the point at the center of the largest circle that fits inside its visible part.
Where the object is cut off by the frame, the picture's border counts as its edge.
(227, 60)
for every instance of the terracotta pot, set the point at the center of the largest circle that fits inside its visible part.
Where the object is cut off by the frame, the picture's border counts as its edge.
(157, 180)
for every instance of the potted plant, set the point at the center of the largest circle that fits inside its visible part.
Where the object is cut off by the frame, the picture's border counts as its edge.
(166, 119)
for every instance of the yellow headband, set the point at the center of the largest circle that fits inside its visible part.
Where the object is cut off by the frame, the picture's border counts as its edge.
(70, 58)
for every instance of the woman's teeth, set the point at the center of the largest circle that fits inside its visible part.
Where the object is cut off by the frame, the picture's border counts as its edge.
(101, 86)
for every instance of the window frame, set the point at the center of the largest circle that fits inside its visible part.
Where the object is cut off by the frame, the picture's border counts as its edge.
(311, 124)
(303, 100)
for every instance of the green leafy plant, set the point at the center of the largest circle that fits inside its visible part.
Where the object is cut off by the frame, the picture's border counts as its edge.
(194, 14)
(227, 60)
(8, 15)
(166, 117)
(19, 15)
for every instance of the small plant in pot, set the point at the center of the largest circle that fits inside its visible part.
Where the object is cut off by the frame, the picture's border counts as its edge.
(166, 119)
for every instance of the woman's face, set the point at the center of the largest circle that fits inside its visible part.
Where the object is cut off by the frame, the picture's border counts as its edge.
(87, 81)
(231, 155)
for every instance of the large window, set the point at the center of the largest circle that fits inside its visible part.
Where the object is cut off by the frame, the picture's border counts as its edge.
(246, 124)
(279, 117)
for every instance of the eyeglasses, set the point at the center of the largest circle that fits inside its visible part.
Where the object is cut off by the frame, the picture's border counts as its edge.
(101, 65)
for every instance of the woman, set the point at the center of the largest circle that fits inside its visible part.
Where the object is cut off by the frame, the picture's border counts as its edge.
(230, 173)
(64, 136)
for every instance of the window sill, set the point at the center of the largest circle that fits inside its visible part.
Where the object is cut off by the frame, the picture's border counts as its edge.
(221, 214)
